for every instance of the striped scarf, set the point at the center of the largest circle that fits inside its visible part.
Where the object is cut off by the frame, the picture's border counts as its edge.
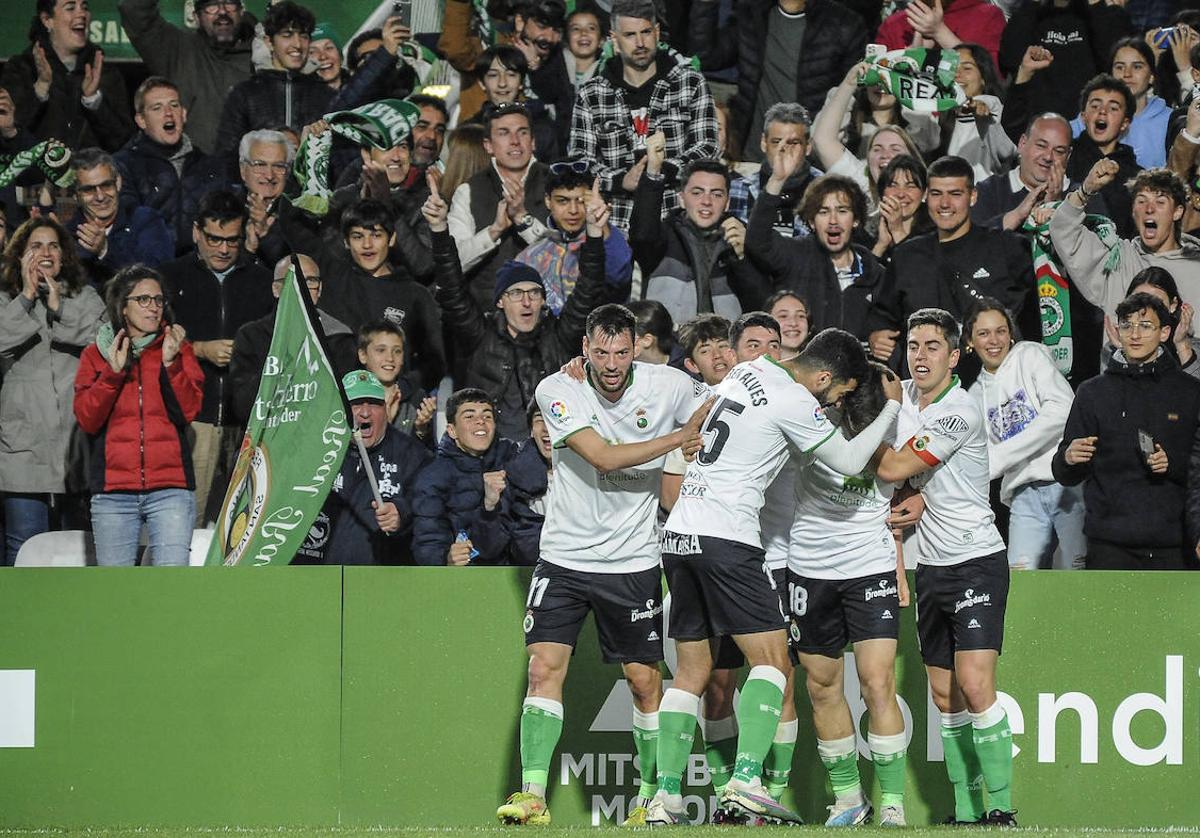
(921, 79)
(51, 156)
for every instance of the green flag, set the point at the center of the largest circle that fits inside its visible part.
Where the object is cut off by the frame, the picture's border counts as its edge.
(294, 445)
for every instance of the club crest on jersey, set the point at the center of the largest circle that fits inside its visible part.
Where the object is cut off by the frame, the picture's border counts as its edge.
(559, 411)
(528, 624)
(920, 443)
(642, 421)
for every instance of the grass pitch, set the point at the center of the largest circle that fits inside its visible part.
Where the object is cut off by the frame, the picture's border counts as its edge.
(581, 832)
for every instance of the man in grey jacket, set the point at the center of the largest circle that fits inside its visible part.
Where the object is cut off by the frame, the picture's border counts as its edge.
(206, 62)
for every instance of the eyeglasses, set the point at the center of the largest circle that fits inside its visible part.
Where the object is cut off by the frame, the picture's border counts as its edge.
(517, 295)
(217, 241)
(1141, 327)
(562, 167)
(149, 300)
(89, 191)
(263, 165)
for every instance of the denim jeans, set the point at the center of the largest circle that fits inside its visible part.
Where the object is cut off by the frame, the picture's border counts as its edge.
(1039, 512)
(24, 517)
(117, 519)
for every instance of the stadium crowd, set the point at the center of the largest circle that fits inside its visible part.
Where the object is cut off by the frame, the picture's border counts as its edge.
(749, 161)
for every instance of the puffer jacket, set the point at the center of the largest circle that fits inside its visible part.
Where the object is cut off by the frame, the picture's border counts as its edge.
(448, 500)
(523, 503)
(149, 178)
(39, 355)
(495, 361)
(834, 39)
(136, 418)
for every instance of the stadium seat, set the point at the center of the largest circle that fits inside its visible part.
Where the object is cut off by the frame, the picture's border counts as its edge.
(67, 548)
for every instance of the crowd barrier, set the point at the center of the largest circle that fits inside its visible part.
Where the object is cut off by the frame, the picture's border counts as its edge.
(318, 697)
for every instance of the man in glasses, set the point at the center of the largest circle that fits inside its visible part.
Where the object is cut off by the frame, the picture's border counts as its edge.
(110, 235)
(214, 292)
(160, 166)
(207, 61)
(1128, 439)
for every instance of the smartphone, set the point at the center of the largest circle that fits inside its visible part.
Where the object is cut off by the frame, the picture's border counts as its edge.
(1145, 443)
(403, 10)
(1162, 39)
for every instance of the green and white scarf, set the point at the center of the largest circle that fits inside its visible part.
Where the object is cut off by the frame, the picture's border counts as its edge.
(921, 79)
(51, 156)
(106, 336)
(383, 124)
(1054, 298)
(482, 23)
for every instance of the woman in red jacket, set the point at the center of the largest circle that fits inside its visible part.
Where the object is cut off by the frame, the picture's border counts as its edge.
(137, 389)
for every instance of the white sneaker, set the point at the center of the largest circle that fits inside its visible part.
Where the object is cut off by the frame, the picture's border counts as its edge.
(892, 816)
(849, 814)
(657, 814)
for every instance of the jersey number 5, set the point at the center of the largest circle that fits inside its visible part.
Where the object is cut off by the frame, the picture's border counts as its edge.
(708, 455)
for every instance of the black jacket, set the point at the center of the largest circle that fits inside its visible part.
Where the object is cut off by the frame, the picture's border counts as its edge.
(527, 482)
(210, 309)
(802, 265)
(509, 368)
(1085, 154)
(149, 178)
(448, 500)
(412, 248)
(1126, 504)
(834, 39)
(346, 532)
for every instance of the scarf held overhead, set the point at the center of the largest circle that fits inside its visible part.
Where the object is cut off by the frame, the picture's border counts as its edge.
(922, 79)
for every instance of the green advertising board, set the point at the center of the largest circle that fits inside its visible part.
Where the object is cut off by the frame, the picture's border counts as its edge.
(356, 697)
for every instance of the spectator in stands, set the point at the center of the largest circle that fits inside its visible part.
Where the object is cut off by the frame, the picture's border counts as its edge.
(274, 228)
(206, 62)
(945, 24)
(786, 124)
(497, 212)
(15, 138)
(1106, 106)
(556, 256)
(1128, 439)
(361, 285)
(48, 314)
(137, 388)
(361, 530)
(108, 233)
(213, 293)
(641, 90)
(503, 72)
(465, 157)
(1040, 176)
(902, 211)
(528, 475)
(381, 352)
(1025, 401)
(467, 30)
(653, 332)
(791, 313)
(456, 498)
(1072, 41)
(252, 342)
(1183, 156)
(538, 27)
(60, 85)
(694, 260)
(1158, 282)
(584, 43)
(874, 107)
(836, 277)
(1158, 198)
(1133, 63)
(704, 341)
(784, 51)
(161, 167)
(952, 268)
(974, 132)
(325, 53)
(887, 142)
(375, 70)
(507, 352)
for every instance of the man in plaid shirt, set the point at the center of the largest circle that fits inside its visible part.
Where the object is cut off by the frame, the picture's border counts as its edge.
(642, 89)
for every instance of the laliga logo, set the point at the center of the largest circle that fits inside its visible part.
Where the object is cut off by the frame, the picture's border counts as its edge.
(244, 502)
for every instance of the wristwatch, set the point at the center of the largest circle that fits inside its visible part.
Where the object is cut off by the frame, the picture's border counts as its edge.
(524, 224)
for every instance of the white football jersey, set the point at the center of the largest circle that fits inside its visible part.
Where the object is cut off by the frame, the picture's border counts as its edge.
(759, 410)
(605, 522)
(951, 436)
(778, 514)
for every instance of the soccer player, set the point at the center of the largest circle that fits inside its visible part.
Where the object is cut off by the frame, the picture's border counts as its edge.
(599, 551)
(714, 558)
(846, 584)
(962, 571)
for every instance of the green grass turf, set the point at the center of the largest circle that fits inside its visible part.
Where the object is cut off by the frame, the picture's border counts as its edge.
(575, 832)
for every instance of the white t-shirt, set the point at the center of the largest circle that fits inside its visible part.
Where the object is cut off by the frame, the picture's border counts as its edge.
(605, 522)
(840, 530)
(778, 514)
(759, 410)
(950, 435)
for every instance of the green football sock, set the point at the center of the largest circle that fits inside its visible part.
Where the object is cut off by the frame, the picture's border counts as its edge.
(962, 766)
(890, 757)
(993, 743)
(777, 769)
(645, 737)
(840, 758)
(541, 725)
(759, 709)
(720, 750)
(676, 733)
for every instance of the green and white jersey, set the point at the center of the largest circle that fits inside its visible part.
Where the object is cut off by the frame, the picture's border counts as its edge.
(605, 522)
(778, 513)
(840, 530)
(759, 410)
(950, 436)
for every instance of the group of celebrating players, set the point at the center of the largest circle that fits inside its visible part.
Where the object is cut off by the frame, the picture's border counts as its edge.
(838, 446)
